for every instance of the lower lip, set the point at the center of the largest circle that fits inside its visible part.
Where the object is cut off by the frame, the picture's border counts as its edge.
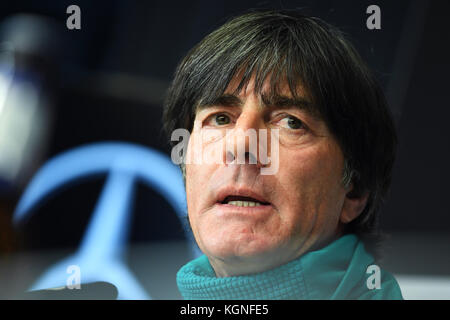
(226, 209)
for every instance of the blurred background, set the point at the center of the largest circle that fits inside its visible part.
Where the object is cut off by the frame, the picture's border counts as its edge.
(61, 89)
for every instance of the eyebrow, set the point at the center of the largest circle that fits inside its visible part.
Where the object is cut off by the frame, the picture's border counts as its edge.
(280, 101)
(275, 101)
(225, 100)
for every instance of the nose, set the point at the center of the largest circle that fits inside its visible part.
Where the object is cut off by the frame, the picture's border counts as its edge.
(243, 142)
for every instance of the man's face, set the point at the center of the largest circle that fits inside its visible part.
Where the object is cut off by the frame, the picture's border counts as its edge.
(296, 209)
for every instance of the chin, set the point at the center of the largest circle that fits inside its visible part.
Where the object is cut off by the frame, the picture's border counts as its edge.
(243, 248)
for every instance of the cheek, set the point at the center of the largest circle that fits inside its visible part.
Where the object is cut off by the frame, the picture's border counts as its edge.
(193, 199)
(200, 180)
(310, 187)
(190, 185)
(301, 173)
(195, 183)
(193, 173)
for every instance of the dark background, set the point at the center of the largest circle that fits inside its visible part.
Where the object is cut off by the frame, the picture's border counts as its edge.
(110, 78)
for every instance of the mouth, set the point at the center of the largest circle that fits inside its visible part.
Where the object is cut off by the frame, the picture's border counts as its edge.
(241, 201)
(241, 198)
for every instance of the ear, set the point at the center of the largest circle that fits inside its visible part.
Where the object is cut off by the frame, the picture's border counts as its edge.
(353, 205)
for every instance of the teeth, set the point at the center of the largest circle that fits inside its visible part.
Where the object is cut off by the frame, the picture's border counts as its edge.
(244, 203)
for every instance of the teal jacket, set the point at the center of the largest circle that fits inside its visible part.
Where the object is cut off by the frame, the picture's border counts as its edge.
(340, 270)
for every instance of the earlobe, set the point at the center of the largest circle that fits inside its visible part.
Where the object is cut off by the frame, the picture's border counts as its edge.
(353, 206)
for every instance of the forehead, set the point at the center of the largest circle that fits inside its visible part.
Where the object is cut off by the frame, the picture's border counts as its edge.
(270, 93)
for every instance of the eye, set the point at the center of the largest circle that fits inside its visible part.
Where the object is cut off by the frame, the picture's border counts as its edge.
(219, 119)
(291, 122)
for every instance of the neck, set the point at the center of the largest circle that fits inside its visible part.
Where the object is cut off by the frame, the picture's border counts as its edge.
(332, 272)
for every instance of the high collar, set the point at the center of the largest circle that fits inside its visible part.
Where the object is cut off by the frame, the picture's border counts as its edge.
(337, 271)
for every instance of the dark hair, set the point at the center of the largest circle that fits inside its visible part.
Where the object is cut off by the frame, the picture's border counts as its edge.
(306, 51)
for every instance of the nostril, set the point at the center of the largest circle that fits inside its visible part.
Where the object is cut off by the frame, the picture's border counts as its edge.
(244, 157)
(250, 158)
(230, 157)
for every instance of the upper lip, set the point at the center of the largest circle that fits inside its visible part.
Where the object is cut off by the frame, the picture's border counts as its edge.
(241, 192)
